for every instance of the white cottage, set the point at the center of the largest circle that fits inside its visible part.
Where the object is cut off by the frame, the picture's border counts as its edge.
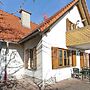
(50, 49)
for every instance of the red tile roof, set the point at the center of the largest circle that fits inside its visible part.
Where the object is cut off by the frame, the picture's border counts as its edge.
(57, 15)
(11, 28)
(43, 26)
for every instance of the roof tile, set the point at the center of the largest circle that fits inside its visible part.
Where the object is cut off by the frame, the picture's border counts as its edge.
(57, 15)
(11, 28)
(48, 22)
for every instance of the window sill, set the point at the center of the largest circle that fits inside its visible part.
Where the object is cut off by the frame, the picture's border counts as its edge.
(60, 67)
(31, 69)
(64, 66)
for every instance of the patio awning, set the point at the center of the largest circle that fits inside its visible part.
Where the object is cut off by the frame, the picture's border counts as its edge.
(79, 38)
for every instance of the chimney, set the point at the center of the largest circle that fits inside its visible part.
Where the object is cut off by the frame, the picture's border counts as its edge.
(25, 18)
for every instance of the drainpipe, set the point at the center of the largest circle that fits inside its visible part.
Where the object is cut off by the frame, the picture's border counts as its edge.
(89, 60)
(6, 52)
(89, 67)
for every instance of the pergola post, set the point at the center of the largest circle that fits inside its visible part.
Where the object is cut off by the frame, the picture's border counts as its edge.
(89, 60)
(89, 67)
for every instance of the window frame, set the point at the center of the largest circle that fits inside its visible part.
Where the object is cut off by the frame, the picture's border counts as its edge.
(68, 59)
(60, 58)
(30, 59)
(64, 58)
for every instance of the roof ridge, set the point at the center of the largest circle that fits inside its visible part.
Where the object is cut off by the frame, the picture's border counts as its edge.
(34, 23)
(9, 13)
(42, 26)
(11, 28)
(16, 16)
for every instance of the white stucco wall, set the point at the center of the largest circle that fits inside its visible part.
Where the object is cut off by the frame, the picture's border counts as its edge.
(57, 38)
(78, 60)
(16, 65)
(15, 56)
(36, 41)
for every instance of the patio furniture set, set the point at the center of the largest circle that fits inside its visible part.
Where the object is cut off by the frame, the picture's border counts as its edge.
(84, 73)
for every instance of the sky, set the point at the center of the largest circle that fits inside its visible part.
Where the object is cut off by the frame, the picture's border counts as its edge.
(38, 8)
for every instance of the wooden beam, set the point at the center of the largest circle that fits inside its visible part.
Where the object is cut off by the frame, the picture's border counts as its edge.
(86, 10)
(82, 12)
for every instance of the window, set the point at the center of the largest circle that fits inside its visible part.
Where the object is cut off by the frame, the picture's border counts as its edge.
(68, 57)
(30, 59)
(73, 58)
(60, 58)
(70, 25)
(84, 59)
(63, 58)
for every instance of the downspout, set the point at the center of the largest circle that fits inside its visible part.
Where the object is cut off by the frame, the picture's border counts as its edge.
(89, 60)
(43, 83)
(5, 71)
(89, 67)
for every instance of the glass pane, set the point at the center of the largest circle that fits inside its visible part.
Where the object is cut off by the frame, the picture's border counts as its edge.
(65, 54)
(31, 53)
(65, 58)
(60, 56)
(68, 57)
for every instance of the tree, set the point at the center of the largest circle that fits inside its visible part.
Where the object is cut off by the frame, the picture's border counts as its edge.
(6, 67)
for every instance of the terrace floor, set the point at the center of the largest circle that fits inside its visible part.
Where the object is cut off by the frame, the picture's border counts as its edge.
(71, 84)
